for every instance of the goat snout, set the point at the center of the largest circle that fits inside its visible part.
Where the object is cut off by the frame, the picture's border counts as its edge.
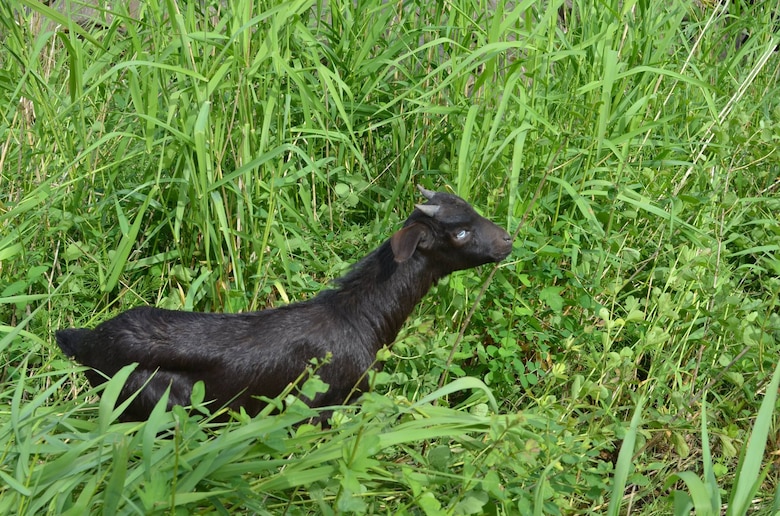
(502, 246)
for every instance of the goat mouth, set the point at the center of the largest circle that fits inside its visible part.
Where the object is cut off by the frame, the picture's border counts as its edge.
(503, 253)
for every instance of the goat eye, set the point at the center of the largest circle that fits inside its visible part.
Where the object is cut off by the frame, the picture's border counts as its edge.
(460, 235)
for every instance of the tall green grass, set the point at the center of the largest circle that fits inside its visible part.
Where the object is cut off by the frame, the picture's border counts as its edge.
(234, 156)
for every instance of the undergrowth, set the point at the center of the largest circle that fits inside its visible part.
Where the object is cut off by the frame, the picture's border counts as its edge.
(235, 155)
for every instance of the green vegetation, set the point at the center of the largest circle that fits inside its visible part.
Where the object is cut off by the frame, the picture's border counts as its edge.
(230, 155)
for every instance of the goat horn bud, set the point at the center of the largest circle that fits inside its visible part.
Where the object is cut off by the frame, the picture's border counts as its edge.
(429, 209)
(428, 194)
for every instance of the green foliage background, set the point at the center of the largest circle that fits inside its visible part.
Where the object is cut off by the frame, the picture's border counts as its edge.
(237, 155)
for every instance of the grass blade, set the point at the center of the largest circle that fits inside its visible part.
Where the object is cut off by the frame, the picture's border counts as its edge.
(624, 463)
(710, 481)
(749, 471)
(125, 247)
(107, 410)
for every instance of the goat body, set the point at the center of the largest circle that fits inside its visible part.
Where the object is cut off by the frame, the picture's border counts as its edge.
(240, 357)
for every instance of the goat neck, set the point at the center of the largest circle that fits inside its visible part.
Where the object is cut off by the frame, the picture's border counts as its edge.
(378, 294)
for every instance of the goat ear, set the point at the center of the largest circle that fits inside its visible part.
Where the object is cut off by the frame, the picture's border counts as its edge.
(404, 242)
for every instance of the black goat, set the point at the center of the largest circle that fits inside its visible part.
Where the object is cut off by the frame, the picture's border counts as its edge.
(242, 356)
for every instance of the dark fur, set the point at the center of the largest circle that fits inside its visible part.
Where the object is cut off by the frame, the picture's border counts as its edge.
(242, 356)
